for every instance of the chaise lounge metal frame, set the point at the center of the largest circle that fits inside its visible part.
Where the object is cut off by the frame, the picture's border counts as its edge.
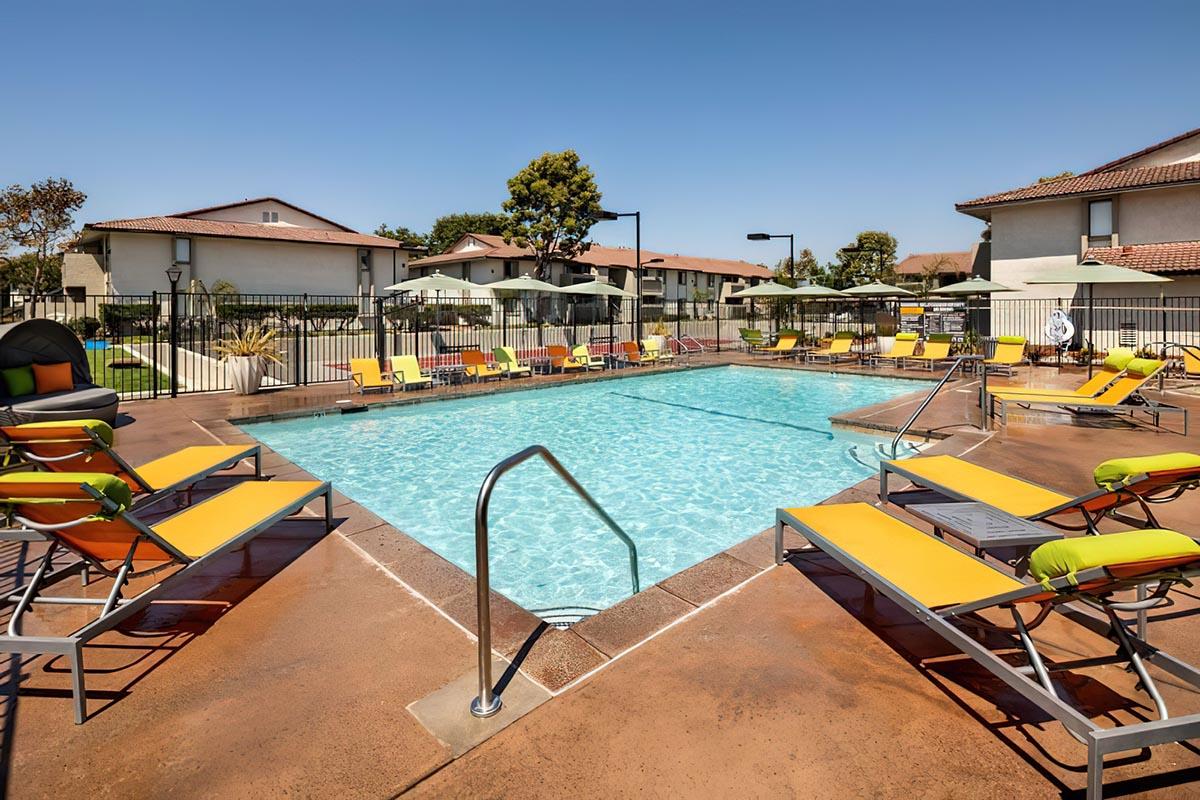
(115, 608)
(1032, 681)
(1133, 490)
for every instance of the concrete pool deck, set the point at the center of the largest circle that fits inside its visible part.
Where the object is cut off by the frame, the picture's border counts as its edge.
(294, 675)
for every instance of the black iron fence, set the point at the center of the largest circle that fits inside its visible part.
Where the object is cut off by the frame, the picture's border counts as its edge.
(130, 339)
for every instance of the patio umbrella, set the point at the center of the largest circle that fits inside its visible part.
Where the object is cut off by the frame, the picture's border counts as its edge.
(765, 289)
(437, 282)
(598, 289)
(1089, 273)
(812, 291)
(525, 284)
(876, 289)
(974, 286)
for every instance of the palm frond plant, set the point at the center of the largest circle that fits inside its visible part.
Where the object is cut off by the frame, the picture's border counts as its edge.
(246, 354)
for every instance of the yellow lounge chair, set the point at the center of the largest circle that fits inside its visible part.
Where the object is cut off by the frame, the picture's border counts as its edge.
(1120, 482)
(838, 350)
(1010, 352)
(87, 445)
(478, 367)
(1191, 360)
(406, 373)
(366, 375)
(655, 353)
(987, 614)
(1112, 368)
(88, 514)
(506, 359)
(784, 346)
(935, 353)
(562, 360)
(1121, 397)
(580, 352)
(904, 346)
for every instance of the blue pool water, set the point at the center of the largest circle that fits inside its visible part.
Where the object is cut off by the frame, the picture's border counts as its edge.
(688, 463)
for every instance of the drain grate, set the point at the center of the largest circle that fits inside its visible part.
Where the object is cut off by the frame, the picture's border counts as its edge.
(563, 617)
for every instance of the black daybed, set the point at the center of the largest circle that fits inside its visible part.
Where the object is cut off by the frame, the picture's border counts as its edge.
(46, 342)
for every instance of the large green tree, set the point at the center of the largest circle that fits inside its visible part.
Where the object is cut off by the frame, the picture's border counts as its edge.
(553, 203)
(39, 219)
(24, 272)
(402, 234)
(866, 264)
(450, 228)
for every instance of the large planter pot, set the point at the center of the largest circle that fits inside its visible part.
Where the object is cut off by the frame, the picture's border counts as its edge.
(245, 373)
(885, 343)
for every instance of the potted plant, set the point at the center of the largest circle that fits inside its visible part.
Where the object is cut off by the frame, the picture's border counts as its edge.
(659, 333)
(885, 337)
(246, 355)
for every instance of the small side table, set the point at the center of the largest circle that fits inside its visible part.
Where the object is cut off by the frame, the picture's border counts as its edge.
(986, 528)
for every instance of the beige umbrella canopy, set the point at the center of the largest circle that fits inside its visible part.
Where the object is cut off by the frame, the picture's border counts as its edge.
(972, 286)
(813, 290)
(525, 283)
(765, 289)
(598, 289)
(877, 289)
(437, 282)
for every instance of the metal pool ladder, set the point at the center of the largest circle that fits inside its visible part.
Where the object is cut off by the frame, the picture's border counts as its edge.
(958, 362)
(488, 703)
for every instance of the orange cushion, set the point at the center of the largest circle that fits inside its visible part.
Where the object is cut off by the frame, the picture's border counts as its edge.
(53, 377)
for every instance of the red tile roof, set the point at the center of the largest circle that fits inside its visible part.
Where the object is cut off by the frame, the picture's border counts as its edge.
(601, 256)
(1166, 257)
(183, 226)
(956, 262)
(1092, 183)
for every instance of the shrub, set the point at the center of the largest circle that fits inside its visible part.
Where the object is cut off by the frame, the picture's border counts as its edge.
(85, 327)
(244, 312)
(118, 318)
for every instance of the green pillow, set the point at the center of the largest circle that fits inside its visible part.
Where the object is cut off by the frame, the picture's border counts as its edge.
(940, 337)
(19, 380)
(1118, 358)
(110, 486)
(1010, 339)
(1066, 557)
(99, 427)
(1117, 471)
(1143, 367)
(906, 337)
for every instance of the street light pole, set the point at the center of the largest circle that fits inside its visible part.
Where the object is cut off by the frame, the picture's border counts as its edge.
(791, 248)
(637, 257)
(173, 275)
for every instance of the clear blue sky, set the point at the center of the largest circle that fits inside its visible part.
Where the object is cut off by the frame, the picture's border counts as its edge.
(713, 120)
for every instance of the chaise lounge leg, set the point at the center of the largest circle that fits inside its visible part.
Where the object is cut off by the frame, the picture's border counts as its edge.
(1095, 772)
(78, 692)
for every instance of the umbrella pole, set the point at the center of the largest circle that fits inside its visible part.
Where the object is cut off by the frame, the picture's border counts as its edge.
(862, 333)
(1091, 304)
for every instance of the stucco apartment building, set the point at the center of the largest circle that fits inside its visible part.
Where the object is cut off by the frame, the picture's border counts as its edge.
(1140, 211)
(261, 246)
(483, 259)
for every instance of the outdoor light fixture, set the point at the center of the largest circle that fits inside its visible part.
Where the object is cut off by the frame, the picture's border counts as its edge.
(174, 273)
(762, 237)
(637, 253)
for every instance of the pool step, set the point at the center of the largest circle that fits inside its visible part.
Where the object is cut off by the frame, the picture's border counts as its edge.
(564, 617)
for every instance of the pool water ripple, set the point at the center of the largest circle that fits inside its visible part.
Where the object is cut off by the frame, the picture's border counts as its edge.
(689, 463)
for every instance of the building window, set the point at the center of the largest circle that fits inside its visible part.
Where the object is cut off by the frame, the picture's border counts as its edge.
(183, 251)
(1100, 223)
(682, 278)
(364, 260)
(510, 269)
(710, 281)
(270, 216)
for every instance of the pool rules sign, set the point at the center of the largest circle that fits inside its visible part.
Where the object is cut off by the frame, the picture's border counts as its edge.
(934, 316)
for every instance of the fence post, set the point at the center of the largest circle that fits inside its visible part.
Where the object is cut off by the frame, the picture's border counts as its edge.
(155, 310)
(303, 374)
(380, 339)
(680, 306)
(717, 306)
(174, 339)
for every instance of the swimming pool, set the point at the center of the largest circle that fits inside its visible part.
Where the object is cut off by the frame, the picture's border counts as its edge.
(689, 463)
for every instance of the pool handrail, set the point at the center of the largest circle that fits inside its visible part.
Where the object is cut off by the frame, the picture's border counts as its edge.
(488, 703)
(958, 362)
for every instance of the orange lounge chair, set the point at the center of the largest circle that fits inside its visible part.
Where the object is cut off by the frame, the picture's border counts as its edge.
(478, 367)
(562, 360)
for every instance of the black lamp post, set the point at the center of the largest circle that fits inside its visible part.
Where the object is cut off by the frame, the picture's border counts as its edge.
(173, 275)
(791, 237)
(637, 255)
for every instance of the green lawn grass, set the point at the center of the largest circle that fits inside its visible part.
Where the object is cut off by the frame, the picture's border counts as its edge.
(125, 380)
